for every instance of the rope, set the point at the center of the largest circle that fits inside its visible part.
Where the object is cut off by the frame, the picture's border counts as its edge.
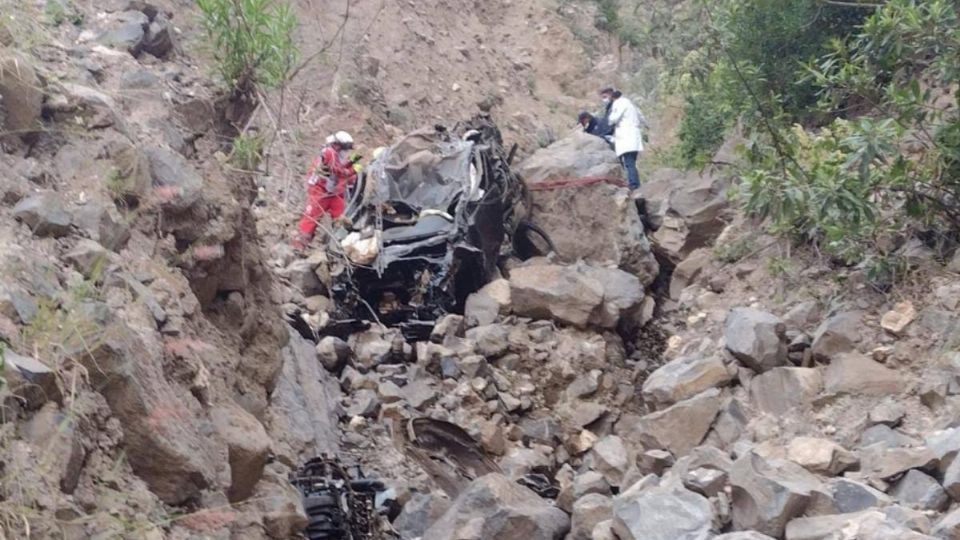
(565, 183)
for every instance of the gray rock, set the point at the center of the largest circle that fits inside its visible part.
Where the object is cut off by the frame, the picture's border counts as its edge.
(820, 455)
(884, 463)
(684, 378)
(590, 482)
(588, 512)
(767, 494)
(304, 406)
(885, 436)
(756, 338)
(854, 373)
(333, 353)
(420, 511)
(844, 496)
(491, 340)
(662, 513)
(689, 270)
(484, 306)
(364, 403)
(88, 257)
(140, 79)
(495, 507)
(705, 481)
(16, 304)
(680, 427)
(103, 224)
(888, 413)
(610, 458)
(782, 389)
(623, 296)
(945, 445)
(689, 207)
(837, 335)
(248, 448)
(45, 213)
(871, 524)
(126, 32)
(159, 39)
(449, 326)
(175, 175)
(545, 430)
(745, 535)
(948, 528)
(555, 292)
(29, 382)
(917, 490)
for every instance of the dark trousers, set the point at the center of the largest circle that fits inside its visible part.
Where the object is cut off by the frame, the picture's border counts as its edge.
(629, 162)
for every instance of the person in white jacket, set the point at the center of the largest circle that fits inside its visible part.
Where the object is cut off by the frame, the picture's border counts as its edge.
(626, 120)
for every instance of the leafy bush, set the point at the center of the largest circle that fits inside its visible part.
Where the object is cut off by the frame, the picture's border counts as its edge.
(858, 185)
(253, 40)
(750, 66)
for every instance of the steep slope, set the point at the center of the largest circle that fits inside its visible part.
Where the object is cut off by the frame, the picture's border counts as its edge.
(149, 376)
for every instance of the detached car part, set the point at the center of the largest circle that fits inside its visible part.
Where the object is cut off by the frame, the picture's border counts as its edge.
(341, 504)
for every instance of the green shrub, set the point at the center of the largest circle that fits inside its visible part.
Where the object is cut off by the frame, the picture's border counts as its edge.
(247, 151)
(253, 40)
(851, 188)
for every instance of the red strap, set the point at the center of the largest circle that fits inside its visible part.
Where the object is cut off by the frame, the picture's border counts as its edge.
(564, 183)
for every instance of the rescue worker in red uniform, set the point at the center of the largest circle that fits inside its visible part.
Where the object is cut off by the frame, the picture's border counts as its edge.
(327, 180)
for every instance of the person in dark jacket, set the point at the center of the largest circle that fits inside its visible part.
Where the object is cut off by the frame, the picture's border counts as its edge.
(595, 126)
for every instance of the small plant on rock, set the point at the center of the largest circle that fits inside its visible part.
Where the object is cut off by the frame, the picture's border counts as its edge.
(248, 151)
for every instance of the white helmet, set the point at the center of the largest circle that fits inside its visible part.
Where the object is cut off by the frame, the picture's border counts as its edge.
(343, 138)
(331, 139)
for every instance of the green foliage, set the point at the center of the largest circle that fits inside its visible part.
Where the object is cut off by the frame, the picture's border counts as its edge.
(859, 184)
(253, 40)
(248, 151)
(734, 252)
(58, 12)
(750, 65)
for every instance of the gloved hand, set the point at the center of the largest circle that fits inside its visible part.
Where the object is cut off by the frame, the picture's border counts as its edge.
(356, 158)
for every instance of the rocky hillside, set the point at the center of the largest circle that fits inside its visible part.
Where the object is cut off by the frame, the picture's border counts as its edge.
(696, 380)
(148, 375)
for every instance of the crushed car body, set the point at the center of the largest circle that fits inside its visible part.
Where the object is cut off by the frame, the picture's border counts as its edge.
(428, 224)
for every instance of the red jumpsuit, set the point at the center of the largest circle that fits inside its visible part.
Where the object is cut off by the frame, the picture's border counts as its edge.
(320, 201)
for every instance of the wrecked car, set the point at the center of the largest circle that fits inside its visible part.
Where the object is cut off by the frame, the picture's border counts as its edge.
(429, 223)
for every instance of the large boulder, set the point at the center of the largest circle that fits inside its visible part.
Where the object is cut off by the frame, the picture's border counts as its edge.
(837, 335)
(495, 507)
(556, 292)
(688, 207)
(756, 338)
(853, 373)
(662, 513)
(597, 223)
(304, 406)
(680, 427)
(248, 448)
(166, 433)
(684, 378)
(767, 494)
(782, 389)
